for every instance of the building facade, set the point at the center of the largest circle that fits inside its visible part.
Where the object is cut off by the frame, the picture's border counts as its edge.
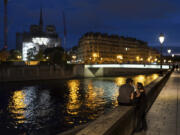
(103, 48)
(37, 39)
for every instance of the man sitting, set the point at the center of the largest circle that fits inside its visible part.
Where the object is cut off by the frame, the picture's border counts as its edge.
(126, 93)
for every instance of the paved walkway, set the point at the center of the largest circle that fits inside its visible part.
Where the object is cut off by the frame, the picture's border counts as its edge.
(164, 116)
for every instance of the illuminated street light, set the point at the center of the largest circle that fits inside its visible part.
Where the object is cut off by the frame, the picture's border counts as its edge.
(137, 58)
(74, 57)
(161, 40)
(149, 59)
(120, 57)
(172, 55)
(19, 57)
(126, 49)
(95, 55)
(169, 51)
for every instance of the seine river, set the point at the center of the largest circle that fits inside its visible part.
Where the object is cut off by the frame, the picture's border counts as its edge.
(50, 107)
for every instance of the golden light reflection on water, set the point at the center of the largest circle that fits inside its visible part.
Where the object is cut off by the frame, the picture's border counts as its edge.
(140, 78)
(90, 96)
(115, 95)
(17, 105)
(144, 79)
(120, 80)
(96, 95)
(74, 102)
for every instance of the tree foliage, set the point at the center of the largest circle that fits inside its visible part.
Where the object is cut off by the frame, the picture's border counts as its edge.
(13, 55)
(56, 55)
(4, 54)
(40, 56)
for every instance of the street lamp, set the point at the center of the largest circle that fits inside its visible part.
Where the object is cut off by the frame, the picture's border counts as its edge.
(119, 58)
(169, 51)
(172, 55)
(161, 40)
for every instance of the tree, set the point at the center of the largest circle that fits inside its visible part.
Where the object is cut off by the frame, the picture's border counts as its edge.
(56, 55)
(40, 56)
(15, 55)
(4, 54)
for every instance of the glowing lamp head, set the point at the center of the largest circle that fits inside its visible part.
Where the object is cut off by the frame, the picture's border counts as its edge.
(137, 58)
(119, 57)
(173, 55)
(161, 38)
(74, 57)
(169, 51)
(95, 55)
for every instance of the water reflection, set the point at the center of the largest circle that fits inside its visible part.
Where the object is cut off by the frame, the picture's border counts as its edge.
(120, 80)
(62, 105)
(144, 79)
(17, 105)
(28, 106)
(73, 102)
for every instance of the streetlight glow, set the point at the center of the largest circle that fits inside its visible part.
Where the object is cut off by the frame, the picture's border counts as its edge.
(126, 49)
(120, 57)
(74, 57)
(95, 55)
(172, 55)
(161, 38)
(169, 51)
(137, 58)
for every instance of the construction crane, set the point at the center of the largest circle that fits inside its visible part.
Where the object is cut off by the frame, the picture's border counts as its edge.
(5, 25)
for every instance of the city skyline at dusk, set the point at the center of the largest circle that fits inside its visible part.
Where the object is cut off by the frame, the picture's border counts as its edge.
(139, 19)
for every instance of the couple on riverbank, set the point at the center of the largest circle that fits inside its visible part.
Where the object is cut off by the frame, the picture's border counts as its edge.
(130, 95)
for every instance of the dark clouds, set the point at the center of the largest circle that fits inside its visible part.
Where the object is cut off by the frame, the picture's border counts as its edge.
(143, 19)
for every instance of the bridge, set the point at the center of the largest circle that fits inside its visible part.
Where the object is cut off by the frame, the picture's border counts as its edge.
(99, 70)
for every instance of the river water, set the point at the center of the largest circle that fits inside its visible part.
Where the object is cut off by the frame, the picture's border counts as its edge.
(50, 107)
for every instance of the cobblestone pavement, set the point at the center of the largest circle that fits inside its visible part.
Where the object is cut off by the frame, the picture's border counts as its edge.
(164, 116)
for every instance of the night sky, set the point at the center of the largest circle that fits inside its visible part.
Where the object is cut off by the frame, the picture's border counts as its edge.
(143, 19)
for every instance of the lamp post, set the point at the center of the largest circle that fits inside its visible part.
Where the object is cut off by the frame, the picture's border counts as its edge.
(169, 53)
(161, 40)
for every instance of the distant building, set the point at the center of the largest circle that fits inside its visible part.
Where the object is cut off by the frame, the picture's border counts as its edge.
(103, 48)
(37, 38)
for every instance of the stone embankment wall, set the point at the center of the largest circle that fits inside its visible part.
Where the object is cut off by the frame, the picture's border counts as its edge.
(27, 73)
(122, 120)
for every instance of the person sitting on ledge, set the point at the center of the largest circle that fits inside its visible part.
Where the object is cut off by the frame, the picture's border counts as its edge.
(126, 93)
